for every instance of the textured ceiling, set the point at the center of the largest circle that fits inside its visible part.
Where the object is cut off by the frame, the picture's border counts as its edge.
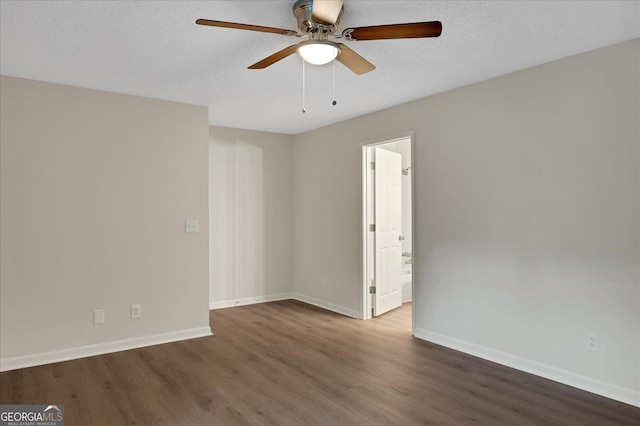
(154, 49)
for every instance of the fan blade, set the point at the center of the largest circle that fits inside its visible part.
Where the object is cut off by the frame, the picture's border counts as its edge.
(244, 27)
(326, 11)
(353, 61)
(270, 60)
(382, 32)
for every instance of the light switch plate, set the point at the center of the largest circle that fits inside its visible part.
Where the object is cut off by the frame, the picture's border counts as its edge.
(191, 225)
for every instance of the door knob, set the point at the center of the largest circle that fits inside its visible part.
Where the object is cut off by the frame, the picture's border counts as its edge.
(400, 237)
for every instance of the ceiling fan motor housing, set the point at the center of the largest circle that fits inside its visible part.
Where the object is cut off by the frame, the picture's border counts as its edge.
(303, 11)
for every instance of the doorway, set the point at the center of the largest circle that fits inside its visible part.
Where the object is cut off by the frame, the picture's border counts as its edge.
(387, 219)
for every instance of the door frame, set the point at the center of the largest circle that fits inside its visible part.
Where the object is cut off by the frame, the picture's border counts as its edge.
(366, 182)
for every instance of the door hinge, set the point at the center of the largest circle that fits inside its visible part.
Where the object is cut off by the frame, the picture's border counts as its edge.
(373, 165)
(372, 290)
(372, 227)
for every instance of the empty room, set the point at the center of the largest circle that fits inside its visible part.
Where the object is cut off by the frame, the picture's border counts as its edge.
(320, 212)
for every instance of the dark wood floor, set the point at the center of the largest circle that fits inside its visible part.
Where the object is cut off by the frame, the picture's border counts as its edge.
(288, 363)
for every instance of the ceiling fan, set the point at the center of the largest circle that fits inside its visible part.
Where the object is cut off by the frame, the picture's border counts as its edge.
(317, 21)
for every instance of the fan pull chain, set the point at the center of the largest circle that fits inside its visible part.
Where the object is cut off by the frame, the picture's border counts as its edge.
(334, 84)
(303, 84)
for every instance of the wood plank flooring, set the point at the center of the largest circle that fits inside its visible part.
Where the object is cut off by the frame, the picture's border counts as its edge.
(289, 363)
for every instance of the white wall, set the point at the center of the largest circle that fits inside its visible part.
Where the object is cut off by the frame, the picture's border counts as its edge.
(404, 148)
(527, 217)
(251, 211)
(95, 190)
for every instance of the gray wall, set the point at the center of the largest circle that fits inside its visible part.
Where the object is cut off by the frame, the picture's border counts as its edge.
(95, 190)
(527, 217)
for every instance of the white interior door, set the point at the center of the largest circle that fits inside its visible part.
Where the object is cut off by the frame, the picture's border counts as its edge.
(388, 231)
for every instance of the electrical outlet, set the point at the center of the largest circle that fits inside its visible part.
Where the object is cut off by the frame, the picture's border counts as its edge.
(98, 316)
(593, 341)
(136, 311)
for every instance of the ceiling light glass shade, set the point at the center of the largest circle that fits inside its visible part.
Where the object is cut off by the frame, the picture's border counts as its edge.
(319, 52)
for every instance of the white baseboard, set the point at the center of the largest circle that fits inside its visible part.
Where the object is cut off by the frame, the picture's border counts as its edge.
(326, 305)
(609, 390)
(249, 300)
(284, 296)
(101, 348)
(32, 360)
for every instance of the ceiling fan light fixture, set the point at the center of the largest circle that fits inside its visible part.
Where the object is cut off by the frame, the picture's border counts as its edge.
(318, 52)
